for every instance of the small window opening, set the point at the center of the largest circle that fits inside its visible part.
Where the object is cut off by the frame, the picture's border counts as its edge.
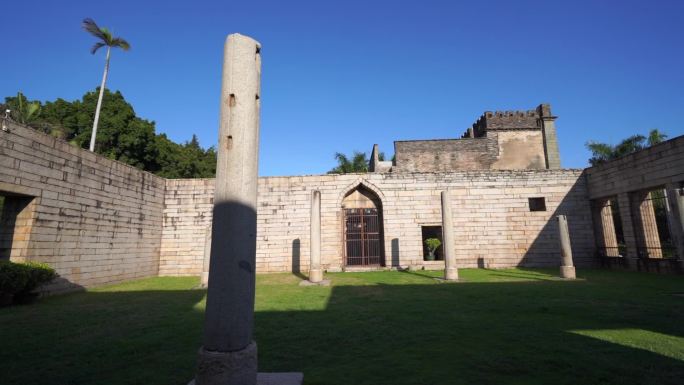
(432, 232)
(537, 204)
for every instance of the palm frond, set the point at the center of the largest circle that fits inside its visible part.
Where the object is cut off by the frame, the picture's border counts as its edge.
(32, 110)
(655, 137)
(97, 46)
(91, 27)
(627, 146)
(600, 149)
(121, 43)
(107, 35)
(600, 152)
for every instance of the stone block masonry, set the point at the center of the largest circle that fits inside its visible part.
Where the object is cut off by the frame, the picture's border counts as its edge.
(96, 221)
(501, 140)
(493, 224)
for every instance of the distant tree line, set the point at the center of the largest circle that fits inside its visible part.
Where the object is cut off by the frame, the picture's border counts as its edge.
(603, 152)
(121, 135)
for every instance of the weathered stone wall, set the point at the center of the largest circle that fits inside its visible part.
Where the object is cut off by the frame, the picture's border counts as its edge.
(655, 166)
(493, 225)
(94, 220)
(100, 221)
(445, 155)
(500, 140)
(499, 150)
(520, 150)
(17, 212)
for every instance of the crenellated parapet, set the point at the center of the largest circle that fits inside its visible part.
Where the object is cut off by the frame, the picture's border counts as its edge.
(507, 120)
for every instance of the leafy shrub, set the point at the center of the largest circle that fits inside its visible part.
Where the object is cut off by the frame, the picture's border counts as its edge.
(20, 279)
(13, 277)
(38, 274)
(433, 244)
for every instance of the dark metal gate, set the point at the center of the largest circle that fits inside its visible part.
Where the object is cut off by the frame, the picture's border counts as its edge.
(362, 237)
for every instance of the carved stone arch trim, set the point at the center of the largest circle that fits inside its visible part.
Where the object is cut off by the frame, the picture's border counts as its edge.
(356, 184)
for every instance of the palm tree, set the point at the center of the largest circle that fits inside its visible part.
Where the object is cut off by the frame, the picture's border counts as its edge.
(109, 41)
(26, 111)
(655, 137)
(357, 163)
(602, 152)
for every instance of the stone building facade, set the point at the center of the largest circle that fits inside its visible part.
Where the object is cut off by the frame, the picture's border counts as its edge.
(493, 224)
(501, 140)
(99, 221)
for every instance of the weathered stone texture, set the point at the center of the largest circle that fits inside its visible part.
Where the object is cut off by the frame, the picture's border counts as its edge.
(501, 140)
(654, 166)
(520, 150)
(493, 225)
(94, 220)
(445, 155)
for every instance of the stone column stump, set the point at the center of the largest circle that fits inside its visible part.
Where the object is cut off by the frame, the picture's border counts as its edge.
(567, 269)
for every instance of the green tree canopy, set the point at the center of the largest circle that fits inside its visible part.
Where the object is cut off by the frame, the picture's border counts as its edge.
(122, 135)
(602, 152)
(358, 162)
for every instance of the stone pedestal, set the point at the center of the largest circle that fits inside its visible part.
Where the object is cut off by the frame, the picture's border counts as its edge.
(567, 269)
(315, 275)
(567, 272)
(222, 368)
(322, 282)
(276, 379)
(451, 274)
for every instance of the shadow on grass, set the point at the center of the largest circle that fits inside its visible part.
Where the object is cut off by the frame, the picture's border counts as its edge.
(526, 274)
(484, 333)
(427, 274)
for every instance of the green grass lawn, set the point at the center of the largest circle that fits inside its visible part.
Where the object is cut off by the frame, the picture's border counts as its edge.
(495, 327)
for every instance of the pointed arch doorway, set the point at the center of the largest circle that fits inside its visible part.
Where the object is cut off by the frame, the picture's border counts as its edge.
(363, 230)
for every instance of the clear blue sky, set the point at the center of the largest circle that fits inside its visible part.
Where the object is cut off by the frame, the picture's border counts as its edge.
(342, 76)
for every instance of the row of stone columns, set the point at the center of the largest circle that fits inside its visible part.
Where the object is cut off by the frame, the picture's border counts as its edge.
(638, 222)
(450, 269)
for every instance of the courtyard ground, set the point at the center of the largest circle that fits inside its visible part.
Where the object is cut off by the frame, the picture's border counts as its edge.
(496, 327)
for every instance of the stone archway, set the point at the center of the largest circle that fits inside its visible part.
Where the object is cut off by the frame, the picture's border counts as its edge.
(362, 227)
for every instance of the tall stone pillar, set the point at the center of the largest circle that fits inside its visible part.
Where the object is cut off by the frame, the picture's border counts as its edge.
(229, 356)
(649, 226)
(628, 230)
(567, 269)
(603, 219)
(204, 278)
(315, 272)
(675, 199)
(450, 270)
(679, 199)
